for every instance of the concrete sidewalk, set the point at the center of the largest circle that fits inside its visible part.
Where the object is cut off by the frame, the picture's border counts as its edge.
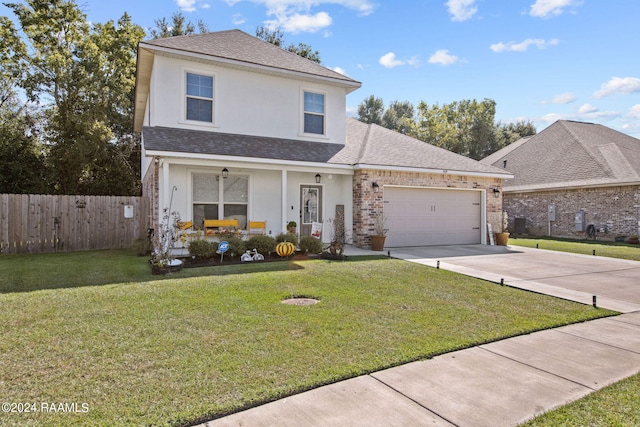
(499, 384)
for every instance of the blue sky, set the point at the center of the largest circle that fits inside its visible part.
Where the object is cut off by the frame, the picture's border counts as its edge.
(540, 60)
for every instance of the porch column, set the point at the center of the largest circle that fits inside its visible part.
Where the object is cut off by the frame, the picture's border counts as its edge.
(283, 195)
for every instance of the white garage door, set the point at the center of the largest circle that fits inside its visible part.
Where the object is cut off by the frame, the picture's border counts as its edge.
(427, 217)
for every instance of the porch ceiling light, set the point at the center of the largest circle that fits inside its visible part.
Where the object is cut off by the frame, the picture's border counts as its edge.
(225, 173)
(318, 178)
(375, 186)
(496, 193)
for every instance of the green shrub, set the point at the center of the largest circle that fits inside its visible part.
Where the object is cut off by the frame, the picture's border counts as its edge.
(142, 247)
(287, 237)
(310, 244)
(236, 246)
(202, 249)
(265, 245)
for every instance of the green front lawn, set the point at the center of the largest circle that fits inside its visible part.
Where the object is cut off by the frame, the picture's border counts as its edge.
(616, 405)
(586, 247)
(201, 343)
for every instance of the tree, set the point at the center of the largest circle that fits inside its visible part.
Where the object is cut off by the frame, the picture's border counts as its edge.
(464, 127)
(178, 26)
(370, 110)
(276, 37)
(82, 78)
(399, 117)
(511, 132)
(23, 166)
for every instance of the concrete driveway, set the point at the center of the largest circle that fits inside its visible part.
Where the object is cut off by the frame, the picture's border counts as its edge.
(614, 282)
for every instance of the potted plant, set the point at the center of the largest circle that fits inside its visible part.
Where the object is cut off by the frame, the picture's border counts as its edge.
(291, 227)
(633, 239)
(503, 237)
(379, 232)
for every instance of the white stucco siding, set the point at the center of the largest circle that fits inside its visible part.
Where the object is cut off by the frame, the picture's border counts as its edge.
(244, 102)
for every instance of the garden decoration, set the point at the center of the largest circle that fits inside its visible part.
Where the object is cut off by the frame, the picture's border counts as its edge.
(285, 249)
(251, 256)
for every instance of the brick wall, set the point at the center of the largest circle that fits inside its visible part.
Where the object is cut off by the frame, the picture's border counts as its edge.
(367, 203)
(151, 191)
(614, 209)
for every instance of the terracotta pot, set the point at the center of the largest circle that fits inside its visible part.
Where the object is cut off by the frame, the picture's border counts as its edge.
(502, 239)
(377, 243)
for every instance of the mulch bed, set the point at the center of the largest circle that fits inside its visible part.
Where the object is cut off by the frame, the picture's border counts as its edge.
(228, 260)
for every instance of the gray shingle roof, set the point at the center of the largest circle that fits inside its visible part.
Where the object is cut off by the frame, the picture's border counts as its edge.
(237, 45)
(365, 144)
(371, 144)
(226, 144)
(570, 154)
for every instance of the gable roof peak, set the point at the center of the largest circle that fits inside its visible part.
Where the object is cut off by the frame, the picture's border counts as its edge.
(236, 46)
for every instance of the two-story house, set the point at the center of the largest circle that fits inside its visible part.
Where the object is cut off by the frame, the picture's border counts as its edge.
(234, 127)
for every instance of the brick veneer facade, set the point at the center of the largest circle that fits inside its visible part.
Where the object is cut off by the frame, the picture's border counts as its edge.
(614, 209)
(367, 203)
(151, 190)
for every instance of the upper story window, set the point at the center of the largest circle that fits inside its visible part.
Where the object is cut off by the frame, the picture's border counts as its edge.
(314, 113)
(199, 97)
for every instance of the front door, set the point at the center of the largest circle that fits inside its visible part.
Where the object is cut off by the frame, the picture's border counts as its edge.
(310, 208)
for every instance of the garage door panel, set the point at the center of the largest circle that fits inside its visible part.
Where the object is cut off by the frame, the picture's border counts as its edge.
(418, 216)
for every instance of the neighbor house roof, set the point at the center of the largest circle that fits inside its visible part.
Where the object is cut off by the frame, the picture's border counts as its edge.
(570, 154)
(366, 146)
(231, 48)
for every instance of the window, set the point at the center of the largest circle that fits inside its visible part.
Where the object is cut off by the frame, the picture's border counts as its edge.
(215, 197)
(199, 98)
(314, 113)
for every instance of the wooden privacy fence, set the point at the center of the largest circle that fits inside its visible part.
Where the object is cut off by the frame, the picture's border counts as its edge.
(32, 223)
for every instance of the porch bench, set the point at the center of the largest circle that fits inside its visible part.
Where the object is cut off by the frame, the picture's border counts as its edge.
(217, 224)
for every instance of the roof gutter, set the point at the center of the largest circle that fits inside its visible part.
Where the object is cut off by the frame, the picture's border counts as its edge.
(362, 166)
(568, 187)
(254, 160)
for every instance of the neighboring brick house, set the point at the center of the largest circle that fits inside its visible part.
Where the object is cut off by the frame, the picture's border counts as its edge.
(570, 176)
(237, 128)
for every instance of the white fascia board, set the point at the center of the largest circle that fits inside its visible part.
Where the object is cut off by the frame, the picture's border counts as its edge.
(250, 162)
(350, 85)
(434, 171)
(569, 187)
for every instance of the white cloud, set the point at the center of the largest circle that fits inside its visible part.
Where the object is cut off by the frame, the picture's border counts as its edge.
(625, 86)
(297, 23)
(523, 46)
(549, 8)
(186, 5)
(587, 109)
(443, 57)
(389, 60)
(584, 116)
(340, 70)
(461, 10)
(295, 16)
(238, 19)
(634, 112)
(563, 98)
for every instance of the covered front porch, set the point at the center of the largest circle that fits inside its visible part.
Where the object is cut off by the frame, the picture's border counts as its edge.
(241, 192)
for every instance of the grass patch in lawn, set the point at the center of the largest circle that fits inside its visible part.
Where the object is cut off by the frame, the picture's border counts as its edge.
(202, 343)
(586, 247)
(616, 405)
